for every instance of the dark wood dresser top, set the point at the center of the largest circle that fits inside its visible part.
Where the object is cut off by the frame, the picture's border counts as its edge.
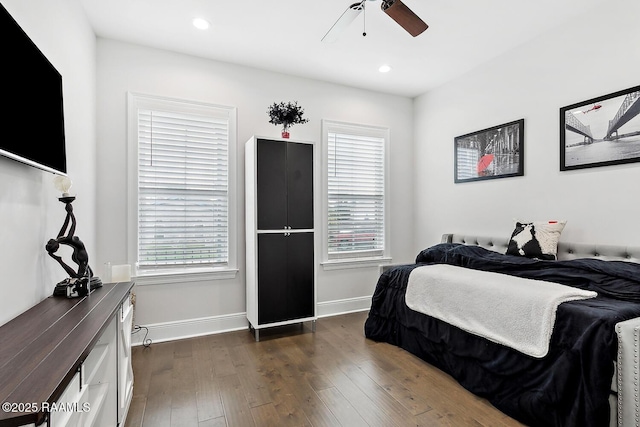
(41, 349)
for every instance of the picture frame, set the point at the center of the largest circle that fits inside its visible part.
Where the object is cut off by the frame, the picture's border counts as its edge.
(602, 131)
(495, 152)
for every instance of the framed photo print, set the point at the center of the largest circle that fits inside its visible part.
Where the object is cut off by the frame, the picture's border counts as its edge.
(496, 152)
(601, 131)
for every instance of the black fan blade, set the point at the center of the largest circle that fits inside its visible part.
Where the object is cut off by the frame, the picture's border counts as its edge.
(408, 20)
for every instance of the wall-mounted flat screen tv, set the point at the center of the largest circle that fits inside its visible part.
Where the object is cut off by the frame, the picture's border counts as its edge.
(32, 119)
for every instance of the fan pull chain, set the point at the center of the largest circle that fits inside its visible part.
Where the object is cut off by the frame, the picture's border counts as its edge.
(364, 19)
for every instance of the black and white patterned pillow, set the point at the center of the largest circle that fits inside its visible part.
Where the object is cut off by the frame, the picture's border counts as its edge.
(538, 239)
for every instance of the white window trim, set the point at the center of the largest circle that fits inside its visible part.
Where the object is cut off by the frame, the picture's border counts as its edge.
(365, 261)
(136, 101)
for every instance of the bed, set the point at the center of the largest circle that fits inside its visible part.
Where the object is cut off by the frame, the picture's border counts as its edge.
(589, 374)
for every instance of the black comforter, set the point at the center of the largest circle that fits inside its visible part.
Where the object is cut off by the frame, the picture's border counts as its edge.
(570, 386)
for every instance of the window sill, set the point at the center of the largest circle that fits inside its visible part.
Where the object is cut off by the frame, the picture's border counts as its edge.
(173, 277)
(338, 264)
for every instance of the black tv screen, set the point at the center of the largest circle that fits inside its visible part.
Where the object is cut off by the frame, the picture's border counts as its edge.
(32, 120)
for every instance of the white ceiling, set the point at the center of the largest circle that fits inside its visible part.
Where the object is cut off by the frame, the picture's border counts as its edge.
(284, 35)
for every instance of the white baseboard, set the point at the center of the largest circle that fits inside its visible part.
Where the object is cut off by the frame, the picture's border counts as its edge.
(343, 306)
(181, 329)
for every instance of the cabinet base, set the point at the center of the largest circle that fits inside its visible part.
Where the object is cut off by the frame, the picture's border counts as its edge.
(256, 332)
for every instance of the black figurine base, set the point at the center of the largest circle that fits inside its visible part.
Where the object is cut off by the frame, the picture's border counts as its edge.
(76, 288)
(72, 288)
(94, 283)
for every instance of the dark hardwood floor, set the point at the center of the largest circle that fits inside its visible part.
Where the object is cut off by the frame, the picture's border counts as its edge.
(293, 377)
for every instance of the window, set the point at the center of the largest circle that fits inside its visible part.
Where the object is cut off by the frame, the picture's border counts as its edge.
(181, 155)
(355, 191)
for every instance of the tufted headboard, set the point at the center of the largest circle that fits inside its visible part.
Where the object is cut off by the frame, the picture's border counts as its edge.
(565, 250)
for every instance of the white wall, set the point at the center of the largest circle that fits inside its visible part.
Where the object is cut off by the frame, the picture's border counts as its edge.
(198, 307)
(29, 211)
(588, 57)
(593, 55)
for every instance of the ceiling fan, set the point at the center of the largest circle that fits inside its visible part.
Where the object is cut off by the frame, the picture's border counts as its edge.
(397, 10)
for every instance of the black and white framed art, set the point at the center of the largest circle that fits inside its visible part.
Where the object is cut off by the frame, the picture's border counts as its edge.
(496, 152)
(601, 131)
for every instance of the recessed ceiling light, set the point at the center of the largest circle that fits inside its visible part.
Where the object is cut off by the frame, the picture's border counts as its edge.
(200, 23)
(384, 69)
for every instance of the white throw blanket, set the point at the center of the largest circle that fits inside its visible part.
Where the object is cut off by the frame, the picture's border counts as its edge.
(516, 312)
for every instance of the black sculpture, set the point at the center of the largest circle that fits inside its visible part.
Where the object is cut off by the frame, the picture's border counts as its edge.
(80, 282)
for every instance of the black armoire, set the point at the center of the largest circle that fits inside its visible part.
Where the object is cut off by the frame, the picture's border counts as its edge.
(280, 232)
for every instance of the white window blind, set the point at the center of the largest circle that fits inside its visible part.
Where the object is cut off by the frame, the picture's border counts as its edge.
(355, 191)
(183, 188)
